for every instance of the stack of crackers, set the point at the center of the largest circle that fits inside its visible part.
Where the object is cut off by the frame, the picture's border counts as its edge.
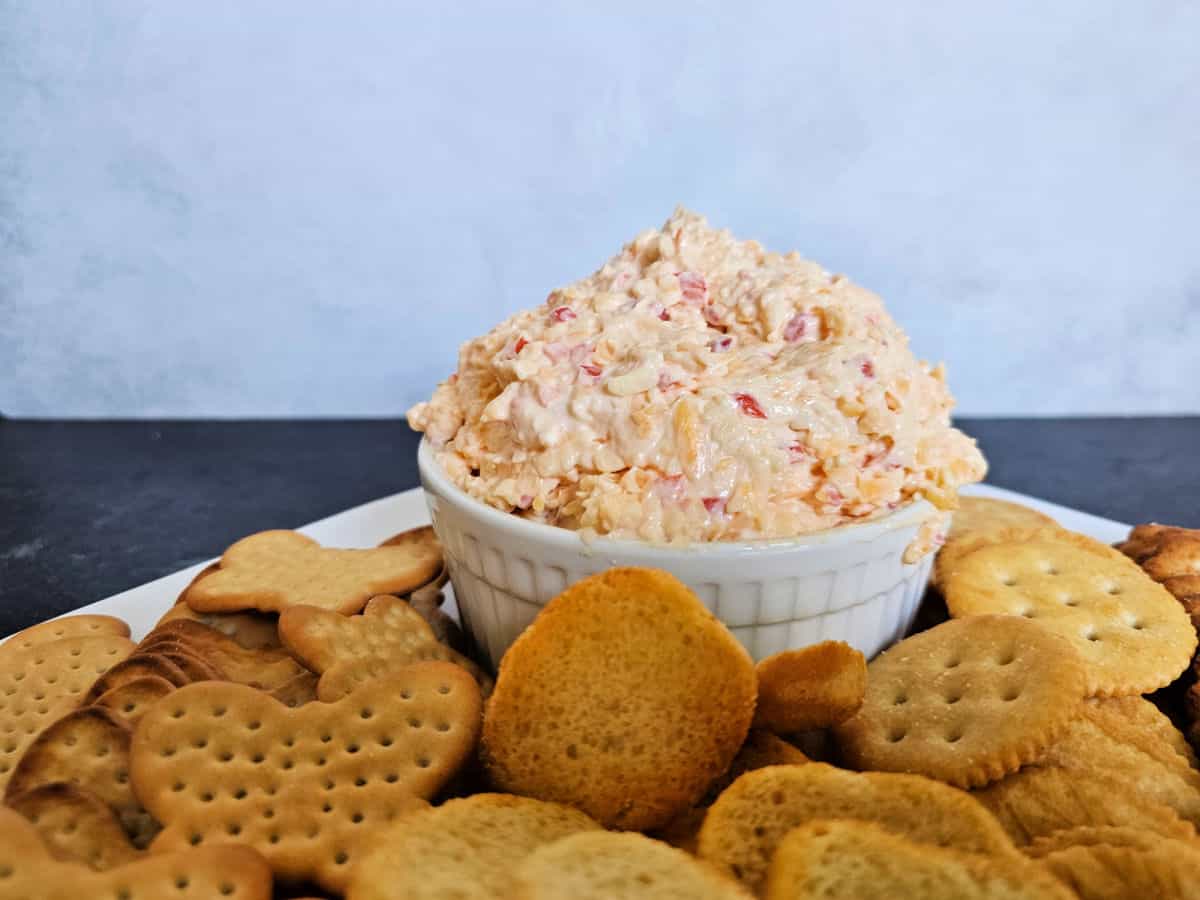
(307, 721)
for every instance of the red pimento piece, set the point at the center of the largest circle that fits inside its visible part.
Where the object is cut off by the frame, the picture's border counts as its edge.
(720, 345)
(666, 382)
(798, 451)
(521, 344)
(592, 369)
(665, 316)
(714, 504)
(693, 286)
(562, 313)
(525, 502)
(801, 326)
(712, 316)
(749, 406)
(867, 368)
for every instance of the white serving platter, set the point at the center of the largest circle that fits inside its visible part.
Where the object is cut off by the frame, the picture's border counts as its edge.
(367, 525)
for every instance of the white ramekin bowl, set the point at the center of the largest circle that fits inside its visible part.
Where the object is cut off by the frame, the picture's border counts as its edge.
(847, 584)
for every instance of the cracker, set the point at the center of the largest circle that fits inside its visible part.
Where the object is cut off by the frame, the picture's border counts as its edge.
(349, 651)
(76, 825)
(445, 629)
(69, 626)
(851, 860)
(1039, 800)
(129, 701)
(751, 817)
(605, 865)
(812, 687)
(30, 871)
(140, 665)
(273, 570)
(300, 690)
(1132, 635)
(980, 521)
(1168, 871)
(44, 683)
(625, 697)
(252, 630)
(465, 848)
(1103, 740)
(218, 761)
(422, 535)
(265, 668)
(1093, 835)
(1148, 718)
(967, 701)
(89, 749)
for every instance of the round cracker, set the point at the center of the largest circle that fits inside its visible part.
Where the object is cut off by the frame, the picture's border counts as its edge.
(1133, 636)
(1092, 836)
(966, 702)
(1168, 871)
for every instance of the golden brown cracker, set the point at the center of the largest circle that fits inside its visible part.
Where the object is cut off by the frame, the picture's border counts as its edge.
(1168, 871)
(264, 668)
(85, 625)
(812, 687)
(422, 535)
(853, 860)
(1039, 800)
(967, 701)
(1140, 713)
(445, 629)
(348, 651)
(747, 822)
(466, 848)
(1132, 635)
(30, 871)
(140, 665)
(129, 701)
(88, 748)
(252, 630)
(217, 761)
(300, 690)
(76, 825)
(606, 865)
(273, 570)
(42, 684)
(980, 521)
(1094, 835)
(625, 697)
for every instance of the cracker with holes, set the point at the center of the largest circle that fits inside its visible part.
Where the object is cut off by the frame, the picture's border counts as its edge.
(1171, 556)
(40, 685)
(848, 860)
(89, 749)
(28, 870)
(267, 668)
(1170, 870)
(76, 825)
(980, 521)
(811, 687)
(466, 848)
(1039, 800)
(646, 708)
(1133, 636)
(253, 630)
(129, 701)
(135, 667)
(349, 651)
(218, 761)
(605, 865)
(751, 817)
(66, 627)
(273, 570)
(966, 702)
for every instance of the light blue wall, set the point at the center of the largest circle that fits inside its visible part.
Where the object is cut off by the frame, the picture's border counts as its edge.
(285, 208)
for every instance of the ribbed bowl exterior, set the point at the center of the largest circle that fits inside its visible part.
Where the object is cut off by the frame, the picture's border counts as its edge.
(847, 584)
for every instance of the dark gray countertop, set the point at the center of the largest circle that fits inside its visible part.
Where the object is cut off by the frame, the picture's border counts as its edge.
(88, 509)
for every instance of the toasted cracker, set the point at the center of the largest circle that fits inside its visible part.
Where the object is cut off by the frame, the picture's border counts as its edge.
(1039, 800)
(1132, 635)
(967, 701)
(812, 687)
(1094, 835)
(88, 748)
(30, 871)
(265, 668)
(76, 825)
(466, 848)
(1168, 871)
(217, 761)
(422, 535)
(625, 697)
(605, 865)
(252, 630)
(300, 690)
(444, 628)
(129, 701)
(751, 817)
(273, 570)
(980, 521)
(44, 683)
(1103, 740)
(140, 665)
(349, 651)
(85, 625)
(1148, 718)
(853, 860)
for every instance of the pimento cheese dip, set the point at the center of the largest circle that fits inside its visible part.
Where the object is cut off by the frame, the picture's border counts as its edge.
(699, 388)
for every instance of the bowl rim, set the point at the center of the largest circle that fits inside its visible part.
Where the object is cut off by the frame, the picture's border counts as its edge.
(435, 481)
